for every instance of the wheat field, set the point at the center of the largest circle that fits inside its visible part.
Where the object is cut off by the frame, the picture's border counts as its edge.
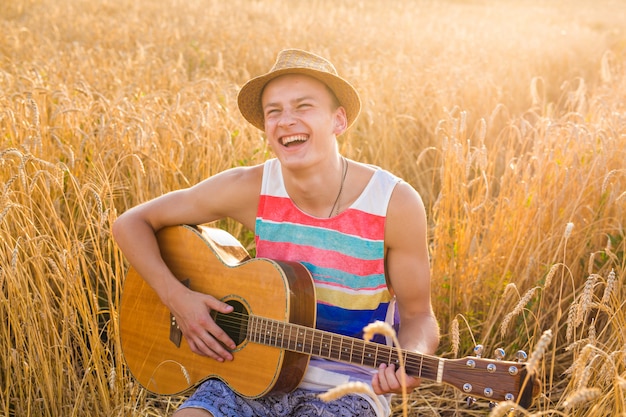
(508, 117)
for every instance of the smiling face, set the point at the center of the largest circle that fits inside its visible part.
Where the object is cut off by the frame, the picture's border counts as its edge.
(302, 119)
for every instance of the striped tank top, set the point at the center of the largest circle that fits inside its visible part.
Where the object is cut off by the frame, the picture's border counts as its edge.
(344, 253)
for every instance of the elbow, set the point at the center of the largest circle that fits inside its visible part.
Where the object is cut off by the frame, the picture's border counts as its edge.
(434, 338)
(118, 227)
(125, 225)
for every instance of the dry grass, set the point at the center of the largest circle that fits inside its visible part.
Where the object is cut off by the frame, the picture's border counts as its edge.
(509, 118)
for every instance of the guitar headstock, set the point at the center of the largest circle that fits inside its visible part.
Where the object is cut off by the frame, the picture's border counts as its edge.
(492, 379)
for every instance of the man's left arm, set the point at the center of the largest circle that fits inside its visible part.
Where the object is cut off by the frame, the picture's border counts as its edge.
(408, 273)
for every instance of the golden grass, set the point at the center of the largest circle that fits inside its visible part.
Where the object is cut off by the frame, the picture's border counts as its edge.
(509, 118)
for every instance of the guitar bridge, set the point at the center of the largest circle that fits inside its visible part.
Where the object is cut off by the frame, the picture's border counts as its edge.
(176, 335)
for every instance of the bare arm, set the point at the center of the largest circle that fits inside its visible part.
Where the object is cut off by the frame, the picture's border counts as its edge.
(408, 271)
(233, 193)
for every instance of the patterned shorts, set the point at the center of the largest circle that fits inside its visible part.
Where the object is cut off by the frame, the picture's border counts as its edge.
(217, 398)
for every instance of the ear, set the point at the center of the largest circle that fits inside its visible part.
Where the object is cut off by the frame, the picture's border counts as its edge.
(341, 121)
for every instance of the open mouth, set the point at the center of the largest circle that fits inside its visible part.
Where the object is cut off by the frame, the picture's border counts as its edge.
(295, 139)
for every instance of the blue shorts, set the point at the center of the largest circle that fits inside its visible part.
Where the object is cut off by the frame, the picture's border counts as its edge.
(217, 398)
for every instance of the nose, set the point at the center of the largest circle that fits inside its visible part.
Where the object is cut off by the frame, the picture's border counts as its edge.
(286, 118)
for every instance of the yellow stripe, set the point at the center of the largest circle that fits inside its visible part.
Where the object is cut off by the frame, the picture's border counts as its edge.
(352, 301)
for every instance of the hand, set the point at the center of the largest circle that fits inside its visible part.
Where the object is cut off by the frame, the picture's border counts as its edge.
(388, 380)
(192, 311)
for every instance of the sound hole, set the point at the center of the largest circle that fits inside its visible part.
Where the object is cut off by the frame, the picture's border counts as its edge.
(235, 324)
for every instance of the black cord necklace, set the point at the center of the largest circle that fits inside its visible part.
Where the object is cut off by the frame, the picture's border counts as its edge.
(344, 164)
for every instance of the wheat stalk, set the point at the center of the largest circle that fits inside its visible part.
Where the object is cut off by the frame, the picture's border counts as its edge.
(517, 309)
(385, 329)
(581, 396)
(351, 388)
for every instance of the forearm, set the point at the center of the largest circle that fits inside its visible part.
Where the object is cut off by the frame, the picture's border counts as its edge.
(138, 243)
(419, 333)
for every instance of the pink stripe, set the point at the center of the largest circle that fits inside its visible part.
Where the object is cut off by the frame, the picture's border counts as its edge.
(336, 285)
(353, 222)
(321, 258)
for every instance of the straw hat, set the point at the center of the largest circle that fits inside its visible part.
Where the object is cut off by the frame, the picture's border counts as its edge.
(295, 61)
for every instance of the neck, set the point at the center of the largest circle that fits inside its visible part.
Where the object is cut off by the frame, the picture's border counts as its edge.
(315, 190)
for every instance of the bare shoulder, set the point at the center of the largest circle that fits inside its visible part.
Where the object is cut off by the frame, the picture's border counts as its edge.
(405, 197)
(248, 177)
(406, 216)
(232, 193)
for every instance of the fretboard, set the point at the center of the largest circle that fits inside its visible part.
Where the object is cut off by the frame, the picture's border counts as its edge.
(329, 345)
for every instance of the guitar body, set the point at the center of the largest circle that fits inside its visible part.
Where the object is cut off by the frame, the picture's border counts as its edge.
(212, 262)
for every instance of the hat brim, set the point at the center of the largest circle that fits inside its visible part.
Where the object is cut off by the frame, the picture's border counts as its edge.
(249, 97)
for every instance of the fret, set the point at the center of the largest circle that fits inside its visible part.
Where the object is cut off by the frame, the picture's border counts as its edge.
(370, 352)
(258, 330)
(269, 331)
(346, 352)
(267, 328)
(299, 338)
(249, 332)
(293, 337)
(311, 340)
(306, 344)
(383, 354)
(332, 347)
(419, 374)
(336, 348)
(358, 351)
(323, 351)
(286, 336)
(254, 331)
(263, 331)
(280, 335)
(274, 332)
(326, 344)
(287, 345)
(317, 342)
(351, 350)
(313, 346)
(426, 368)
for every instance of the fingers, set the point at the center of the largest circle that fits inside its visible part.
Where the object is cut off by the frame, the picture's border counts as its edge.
(207, 339)
(203, 335)
(388, 380)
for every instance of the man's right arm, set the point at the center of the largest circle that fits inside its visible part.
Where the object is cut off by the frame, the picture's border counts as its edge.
(233, 193)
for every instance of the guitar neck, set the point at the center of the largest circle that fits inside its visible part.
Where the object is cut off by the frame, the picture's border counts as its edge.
(337, 347)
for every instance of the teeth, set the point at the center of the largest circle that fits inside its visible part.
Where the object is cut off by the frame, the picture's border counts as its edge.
(296, 138)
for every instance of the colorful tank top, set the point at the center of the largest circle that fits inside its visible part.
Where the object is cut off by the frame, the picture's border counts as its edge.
(345, 253)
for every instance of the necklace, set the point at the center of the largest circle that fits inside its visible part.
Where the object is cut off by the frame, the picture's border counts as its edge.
(336, 204)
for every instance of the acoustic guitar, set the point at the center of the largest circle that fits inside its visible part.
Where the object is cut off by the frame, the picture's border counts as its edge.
(273, 325)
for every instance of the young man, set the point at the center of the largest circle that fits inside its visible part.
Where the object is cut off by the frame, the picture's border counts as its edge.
(359, 230)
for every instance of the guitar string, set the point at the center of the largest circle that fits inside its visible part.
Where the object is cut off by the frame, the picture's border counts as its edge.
(231, 322)
(234, 324)
(423, 362)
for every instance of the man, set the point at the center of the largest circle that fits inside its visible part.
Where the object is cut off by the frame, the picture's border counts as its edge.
(359, 230)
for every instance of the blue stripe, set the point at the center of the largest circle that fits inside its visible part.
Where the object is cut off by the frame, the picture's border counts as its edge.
(325, 239)
(356, 282)
(351, 322)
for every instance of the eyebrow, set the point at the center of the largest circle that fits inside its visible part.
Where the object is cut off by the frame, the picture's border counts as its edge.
(297, 100)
